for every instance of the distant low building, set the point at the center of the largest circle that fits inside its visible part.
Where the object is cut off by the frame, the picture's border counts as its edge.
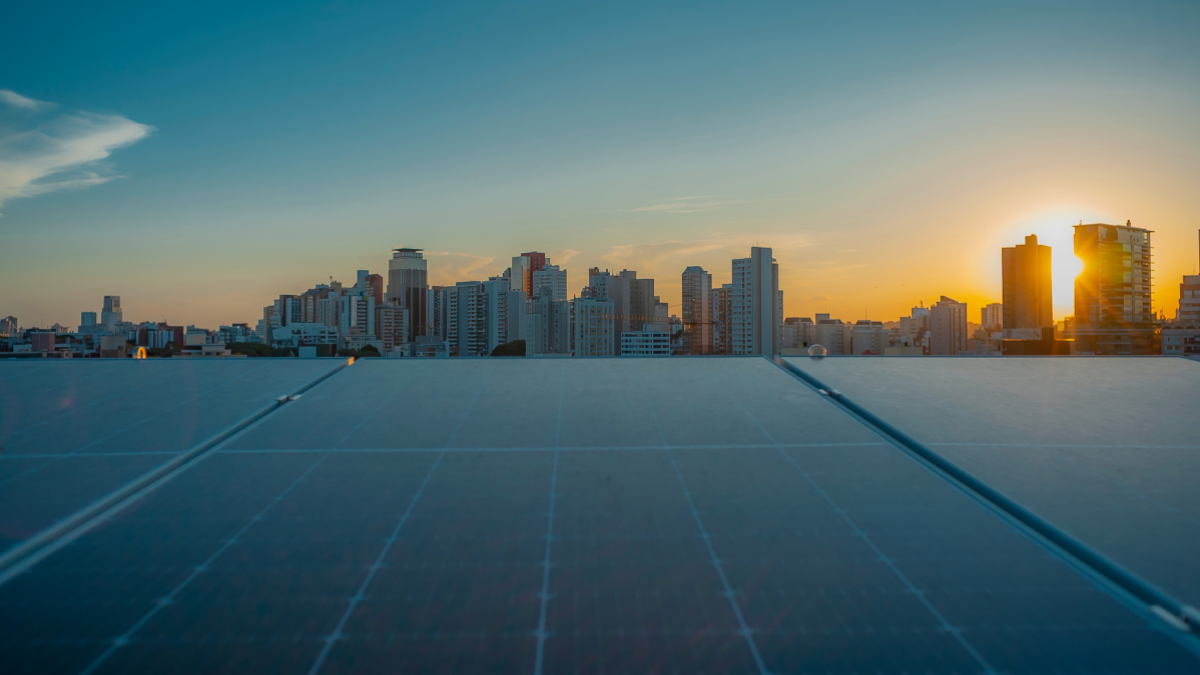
(947, 327)
(647, 342)
(868, 338)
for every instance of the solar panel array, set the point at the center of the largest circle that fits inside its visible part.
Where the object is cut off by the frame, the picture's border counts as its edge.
(1107, 449)
(73, 432)
(709, 515)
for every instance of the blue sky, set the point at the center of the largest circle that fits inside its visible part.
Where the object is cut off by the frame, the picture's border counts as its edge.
(203, 159)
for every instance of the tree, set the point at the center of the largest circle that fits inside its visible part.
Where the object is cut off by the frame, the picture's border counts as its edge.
(514, 348)
(369, 350)
(251, 348)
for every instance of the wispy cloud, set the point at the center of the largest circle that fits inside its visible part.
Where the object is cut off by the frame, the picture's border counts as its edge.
(43, 149)
(458, 266)
(673, 253)
(12, 98)
(687, 205)
(564, 256)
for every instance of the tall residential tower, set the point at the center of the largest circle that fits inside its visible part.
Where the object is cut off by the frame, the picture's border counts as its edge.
(757, 314)
(407, 286)
(697, 311)
(1112, 294)
(1028, 294)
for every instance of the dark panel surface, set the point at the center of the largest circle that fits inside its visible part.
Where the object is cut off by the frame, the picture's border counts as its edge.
(74, 431)
(740, 523)
(1107, 449)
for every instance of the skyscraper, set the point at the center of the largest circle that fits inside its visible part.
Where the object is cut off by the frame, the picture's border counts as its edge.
(112, 314)
(87, 323)
(697, 311)
(592, 326)
(1112, 294)
(537, 261)
(407, 286)
(1028, 292)
(756, 317)
(615, 287)
(947, 327)
(642, 302)
(991, 317)
(8, 325)
(520, 275)
(722, 313)
(549, 326)
(551, 280)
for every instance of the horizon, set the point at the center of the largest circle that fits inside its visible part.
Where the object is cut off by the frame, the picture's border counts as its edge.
(199, 164)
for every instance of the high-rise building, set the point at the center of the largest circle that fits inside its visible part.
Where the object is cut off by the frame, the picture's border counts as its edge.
(87, 323)
(507, 313)
(8, 325)
(592, 326)
(722, 313)
(551, 280)
(948, 327)
(1189, 300)
(287, 311)
(408, 287)
(1028, 292)
(697, 311)
(621, 289)
(358, 307)
(466, 319)
(435, 316)
(914, 329)
(1112, 294)
(549, 326)
(391, 327)
(112, 314)
(520, 275)
(482, 315)
(991, 317)
(798, 332)
(756, 304)
(537, 261)
(1182, 336)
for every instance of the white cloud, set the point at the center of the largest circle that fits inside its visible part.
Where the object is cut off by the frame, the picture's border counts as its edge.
(457, 267)
(564, 256)
(686, 205)
(10, 97)
(45, 150)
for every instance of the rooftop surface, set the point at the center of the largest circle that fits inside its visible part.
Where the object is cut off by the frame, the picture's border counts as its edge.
(709, 514)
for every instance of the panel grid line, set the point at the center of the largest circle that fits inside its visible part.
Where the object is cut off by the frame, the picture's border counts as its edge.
(912, 589)
(80, 449)
(542, 634)
(127, 637)
(338, 634)
(548, 448)
(743, 628)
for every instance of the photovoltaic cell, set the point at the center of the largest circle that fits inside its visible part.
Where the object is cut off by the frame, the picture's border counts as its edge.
(1107, 449)
(659, 515)
(74, 431)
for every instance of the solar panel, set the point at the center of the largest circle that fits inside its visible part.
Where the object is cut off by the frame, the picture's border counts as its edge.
(75, 431)
(706, 515)
(1106, 449)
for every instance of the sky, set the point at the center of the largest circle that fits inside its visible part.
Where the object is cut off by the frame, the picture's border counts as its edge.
(201, 159)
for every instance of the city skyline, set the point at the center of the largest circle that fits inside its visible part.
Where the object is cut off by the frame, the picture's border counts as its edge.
(883, 161)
